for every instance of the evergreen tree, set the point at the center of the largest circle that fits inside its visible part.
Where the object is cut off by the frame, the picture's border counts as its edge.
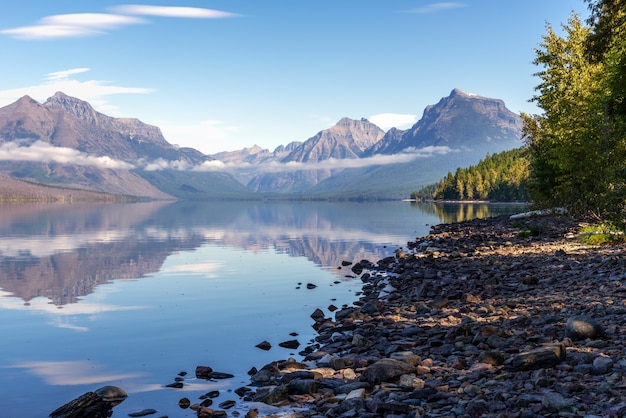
(578, 145)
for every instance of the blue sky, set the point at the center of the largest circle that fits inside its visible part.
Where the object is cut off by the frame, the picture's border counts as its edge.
(227, 74)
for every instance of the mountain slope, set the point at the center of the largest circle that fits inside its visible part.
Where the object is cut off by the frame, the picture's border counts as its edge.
(460, 121)
(347, 139)
(93, 151)
(463, 127)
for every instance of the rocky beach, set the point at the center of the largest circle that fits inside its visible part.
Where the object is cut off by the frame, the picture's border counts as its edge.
(484, 318)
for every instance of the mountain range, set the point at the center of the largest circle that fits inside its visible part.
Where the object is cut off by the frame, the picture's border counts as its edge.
(65, 143)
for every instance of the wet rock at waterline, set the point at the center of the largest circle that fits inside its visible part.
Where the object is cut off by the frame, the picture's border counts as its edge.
(291, 344)
(264, 345)
(207, 373)
(97, 404)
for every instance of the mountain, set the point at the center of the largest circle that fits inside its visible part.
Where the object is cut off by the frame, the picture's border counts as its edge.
(65, 143)
(98, 152)
(460, 121)
(347, 139)
(457, 131)
(463, 126)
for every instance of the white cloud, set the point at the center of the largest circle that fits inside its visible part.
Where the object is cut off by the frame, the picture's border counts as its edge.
(161, 164)
(332, 163)
(89, 24)
(72, 25)
(171, 11)
(93, 91)
(44, 152)
(436, 7)
(61, 75)
(393, 120)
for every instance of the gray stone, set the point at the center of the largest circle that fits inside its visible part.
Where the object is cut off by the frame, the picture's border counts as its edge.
(385, 370)
(583, 327)
(555, 402)
(272, 394)
(539, 358)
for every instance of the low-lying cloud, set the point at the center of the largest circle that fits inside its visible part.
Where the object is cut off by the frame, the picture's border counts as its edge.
(407, 156)
(40, 151)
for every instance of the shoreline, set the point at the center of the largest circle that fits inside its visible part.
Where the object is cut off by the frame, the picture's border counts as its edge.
(475, 319)
(453, 325)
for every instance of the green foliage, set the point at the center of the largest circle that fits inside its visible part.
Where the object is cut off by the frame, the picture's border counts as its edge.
(577, 147)
(602, 234)
(501, 177)
(528, 231)
(425, 193)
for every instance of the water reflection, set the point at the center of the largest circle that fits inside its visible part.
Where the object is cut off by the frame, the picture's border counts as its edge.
(62, 252)
(449, 212)
(190, 284)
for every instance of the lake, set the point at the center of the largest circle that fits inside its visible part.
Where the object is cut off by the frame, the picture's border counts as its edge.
(133, 294)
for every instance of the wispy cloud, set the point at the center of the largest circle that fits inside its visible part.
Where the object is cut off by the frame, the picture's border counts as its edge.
(172, 11)
(436, 7)
(89, 24)
(72, 25)
(393, 120)
(93, 91)
(62, 75)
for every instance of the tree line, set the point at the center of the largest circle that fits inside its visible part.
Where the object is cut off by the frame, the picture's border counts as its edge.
(577, 146)
(502, 177)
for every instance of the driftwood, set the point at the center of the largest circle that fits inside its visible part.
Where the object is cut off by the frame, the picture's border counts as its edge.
(98, 404)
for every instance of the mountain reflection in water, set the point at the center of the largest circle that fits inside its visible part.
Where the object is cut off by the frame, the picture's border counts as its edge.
(131, 294)
(62, 252)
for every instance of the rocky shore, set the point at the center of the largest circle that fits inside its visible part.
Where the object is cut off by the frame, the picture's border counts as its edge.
(483, 318)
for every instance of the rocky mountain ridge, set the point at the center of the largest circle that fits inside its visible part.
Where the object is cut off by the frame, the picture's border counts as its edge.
(346, 160)
(464, 124)
(68, 123)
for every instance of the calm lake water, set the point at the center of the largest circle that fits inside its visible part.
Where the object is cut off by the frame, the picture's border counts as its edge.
(132, 294)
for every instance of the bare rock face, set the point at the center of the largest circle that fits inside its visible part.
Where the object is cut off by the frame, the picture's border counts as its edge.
(110, 152)
(347, 139)
(461, 120)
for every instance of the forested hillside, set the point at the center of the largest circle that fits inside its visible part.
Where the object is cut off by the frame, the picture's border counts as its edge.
(501, 177)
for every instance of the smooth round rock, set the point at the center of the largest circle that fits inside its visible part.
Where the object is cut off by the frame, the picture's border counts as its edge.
(111, 393)
(583, 327)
